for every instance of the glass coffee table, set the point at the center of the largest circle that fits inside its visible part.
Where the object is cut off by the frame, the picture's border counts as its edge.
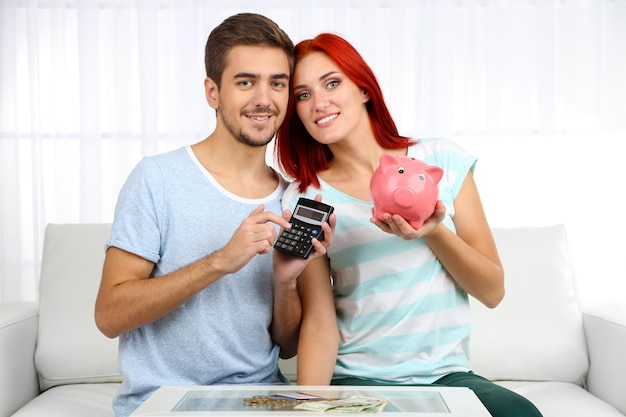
(282, 400)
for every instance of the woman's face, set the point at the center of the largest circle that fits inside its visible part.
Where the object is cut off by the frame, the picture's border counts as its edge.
(329, 104)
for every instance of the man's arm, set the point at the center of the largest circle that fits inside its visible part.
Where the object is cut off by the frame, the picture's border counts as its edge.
(128, 299)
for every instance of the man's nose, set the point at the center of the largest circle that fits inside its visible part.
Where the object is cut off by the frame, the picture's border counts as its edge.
(262, 95)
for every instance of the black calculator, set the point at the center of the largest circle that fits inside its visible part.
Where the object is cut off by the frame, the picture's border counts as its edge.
(306, 223)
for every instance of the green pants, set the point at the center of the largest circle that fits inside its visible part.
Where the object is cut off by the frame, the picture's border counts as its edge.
(499, 401)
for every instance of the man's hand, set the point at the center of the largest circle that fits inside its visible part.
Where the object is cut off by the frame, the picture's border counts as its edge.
(254, 236)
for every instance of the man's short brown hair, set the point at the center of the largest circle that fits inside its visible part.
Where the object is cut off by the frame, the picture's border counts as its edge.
(249, 29)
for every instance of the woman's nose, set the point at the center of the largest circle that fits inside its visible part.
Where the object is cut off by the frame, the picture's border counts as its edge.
(321, 101)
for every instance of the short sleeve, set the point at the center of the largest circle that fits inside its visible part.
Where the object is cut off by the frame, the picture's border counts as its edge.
(138, 212)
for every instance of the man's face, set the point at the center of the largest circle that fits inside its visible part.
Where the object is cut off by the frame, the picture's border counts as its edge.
(253, 97)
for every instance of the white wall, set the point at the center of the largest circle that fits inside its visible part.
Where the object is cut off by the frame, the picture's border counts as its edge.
(575, 180)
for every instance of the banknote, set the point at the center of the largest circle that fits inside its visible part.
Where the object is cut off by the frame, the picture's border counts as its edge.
(354, 404)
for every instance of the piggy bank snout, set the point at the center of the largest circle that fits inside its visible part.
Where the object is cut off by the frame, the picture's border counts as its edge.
(404, 197)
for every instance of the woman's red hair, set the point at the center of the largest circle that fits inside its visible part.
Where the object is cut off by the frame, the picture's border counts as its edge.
(301, 156)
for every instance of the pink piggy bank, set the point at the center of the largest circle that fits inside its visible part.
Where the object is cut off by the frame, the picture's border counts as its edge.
(405, 186)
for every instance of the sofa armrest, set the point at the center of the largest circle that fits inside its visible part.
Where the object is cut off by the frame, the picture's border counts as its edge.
(605, 331)
(18, 334)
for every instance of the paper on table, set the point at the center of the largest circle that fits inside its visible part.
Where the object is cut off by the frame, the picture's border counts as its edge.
(354, 404)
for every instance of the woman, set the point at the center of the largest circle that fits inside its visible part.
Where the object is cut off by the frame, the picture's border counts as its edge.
(396, 310)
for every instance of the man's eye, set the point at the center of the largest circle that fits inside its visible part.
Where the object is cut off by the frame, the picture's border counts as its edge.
(245, 83)
(279, 84)
(302, 96)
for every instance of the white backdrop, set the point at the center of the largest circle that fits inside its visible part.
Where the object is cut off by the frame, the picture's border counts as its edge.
(536, 89)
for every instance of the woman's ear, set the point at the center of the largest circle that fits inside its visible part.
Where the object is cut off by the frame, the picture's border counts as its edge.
(211, 90)
(366, 95)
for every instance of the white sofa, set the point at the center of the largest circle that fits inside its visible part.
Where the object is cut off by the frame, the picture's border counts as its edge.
(569, 361)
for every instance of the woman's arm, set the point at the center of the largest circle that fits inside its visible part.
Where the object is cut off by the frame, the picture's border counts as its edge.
(287, 313)
(319, 334)
(470, 255)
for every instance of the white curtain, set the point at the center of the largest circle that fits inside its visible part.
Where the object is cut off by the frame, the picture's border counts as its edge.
(535, 88)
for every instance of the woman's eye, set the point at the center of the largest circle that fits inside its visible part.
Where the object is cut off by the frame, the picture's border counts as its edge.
(332, 84)
(302, 96)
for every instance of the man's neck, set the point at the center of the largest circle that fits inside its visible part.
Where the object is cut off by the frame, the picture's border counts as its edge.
(239, 168)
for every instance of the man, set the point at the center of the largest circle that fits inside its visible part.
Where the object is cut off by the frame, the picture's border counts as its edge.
(190, 282)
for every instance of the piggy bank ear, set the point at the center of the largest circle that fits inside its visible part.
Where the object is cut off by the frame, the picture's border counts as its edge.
(388, 159)
(435, 173)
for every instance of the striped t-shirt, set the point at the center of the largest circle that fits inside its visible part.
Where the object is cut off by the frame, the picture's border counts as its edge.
(402, 319)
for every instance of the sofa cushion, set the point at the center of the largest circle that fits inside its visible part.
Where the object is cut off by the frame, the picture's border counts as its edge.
(536, 333)
(605, 331)
(562, 399)
(18, 330)
(70, 348)
(79, 400)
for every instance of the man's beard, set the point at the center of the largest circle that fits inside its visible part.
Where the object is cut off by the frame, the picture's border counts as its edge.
(242, 136)
(247, 140)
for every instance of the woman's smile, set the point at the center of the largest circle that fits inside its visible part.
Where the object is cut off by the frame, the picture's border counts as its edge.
(326, 119)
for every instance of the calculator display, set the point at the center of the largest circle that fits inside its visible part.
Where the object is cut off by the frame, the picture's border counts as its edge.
(304, 213)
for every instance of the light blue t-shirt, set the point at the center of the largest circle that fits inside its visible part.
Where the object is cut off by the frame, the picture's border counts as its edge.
(172, 212)
(402, 318)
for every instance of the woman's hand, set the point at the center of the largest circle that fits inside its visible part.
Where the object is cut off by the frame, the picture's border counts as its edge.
(397, 225)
